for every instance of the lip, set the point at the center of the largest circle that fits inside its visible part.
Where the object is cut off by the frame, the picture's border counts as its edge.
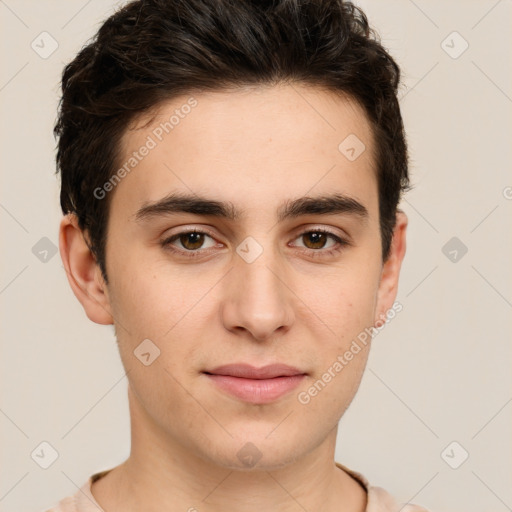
(256, 385)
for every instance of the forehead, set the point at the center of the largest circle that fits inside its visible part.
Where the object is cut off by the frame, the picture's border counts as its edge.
(250, 146)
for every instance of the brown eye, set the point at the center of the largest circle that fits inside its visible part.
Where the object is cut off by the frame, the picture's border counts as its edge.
(189, 241)
(315, 243)
(315, 239)
(318, 239)
(192, 241)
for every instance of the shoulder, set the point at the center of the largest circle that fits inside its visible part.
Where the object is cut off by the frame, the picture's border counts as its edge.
(68, 504)
(82, 500)
(380, 500)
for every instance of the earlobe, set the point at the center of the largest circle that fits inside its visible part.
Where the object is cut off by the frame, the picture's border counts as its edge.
(83, 272)
(388, 286)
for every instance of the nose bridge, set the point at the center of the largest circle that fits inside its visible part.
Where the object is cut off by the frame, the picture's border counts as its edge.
(260, 280)
(258, 299)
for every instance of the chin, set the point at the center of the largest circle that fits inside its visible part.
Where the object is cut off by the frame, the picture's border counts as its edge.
(257, 452)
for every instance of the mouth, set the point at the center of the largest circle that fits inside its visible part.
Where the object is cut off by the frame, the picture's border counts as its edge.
(256, 385)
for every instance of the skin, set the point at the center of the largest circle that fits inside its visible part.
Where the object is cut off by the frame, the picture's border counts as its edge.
(257, 148)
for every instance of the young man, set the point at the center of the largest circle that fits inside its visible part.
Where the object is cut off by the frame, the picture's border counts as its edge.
(231, 172)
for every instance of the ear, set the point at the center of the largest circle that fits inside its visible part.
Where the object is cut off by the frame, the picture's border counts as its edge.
(388, 285)
(84, 274)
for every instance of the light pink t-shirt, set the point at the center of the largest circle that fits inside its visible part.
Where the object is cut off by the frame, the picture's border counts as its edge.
(378, 499)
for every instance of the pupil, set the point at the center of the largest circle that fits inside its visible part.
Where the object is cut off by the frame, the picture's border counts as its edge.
(192, 239)
(317, 239)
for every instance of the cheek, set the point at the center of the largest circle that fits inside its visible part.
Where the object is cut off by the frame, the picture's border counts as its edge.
(330, 390)
(166, 317)
(149, 303)
(346, 302)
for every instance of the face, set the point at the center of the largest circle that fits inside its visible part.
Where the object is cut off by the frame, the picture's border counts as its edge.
(244, 271)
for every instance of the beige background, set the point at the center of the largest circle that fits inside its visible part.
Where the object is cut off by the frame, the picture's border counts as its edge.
(440, 372)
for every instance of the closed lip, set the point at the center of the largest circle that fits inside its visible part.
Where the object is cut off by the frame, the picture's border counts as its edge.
(262, 385)
(247, 371)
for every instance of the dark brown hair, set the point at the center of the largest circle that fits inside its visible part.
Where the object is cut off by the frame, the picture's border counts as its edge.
(151, 51)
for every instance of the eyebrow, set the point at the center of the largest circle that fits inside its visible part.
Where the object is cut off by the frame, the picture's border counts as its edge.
(198, 205)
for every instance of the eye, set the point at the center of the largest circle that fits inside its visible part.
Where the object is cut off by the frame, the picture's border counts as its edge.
(190, 241)
(316, 242)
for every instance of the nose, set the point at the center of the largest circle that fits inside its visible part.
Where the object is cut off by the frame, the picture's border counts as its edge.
(257, 299)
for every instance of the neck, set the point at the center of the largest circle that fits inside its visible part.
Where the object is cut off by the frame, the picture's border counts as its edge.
(162, 474)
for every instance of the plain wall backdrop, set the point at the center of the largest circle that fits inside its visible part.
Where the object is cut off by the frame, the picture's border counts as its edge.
(439, 373)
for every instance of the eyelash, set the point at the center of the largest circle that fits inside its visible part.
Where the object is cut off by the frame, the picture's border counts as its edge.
(341, 243)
